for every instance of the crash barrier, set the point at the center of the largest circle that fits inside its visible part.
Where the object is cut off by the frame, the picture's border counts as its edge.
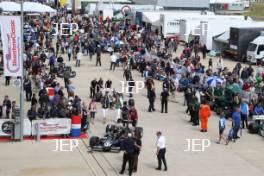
(75, 126)
(54, 126)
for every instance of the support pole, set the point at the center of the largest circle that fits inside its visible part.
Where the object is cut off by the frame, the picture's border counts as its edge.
(22, 76)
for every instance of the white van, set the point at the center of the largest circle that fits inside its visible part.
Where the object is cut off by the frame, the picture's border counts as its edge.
(255, 51)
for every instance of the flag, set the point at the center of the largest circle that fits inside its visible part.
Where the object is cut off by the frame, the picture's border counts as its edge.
(12, 45)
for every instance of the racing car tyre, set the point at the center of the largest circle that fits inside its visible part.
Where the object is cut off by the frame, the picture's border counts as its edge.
(93, 141)
(253, 128)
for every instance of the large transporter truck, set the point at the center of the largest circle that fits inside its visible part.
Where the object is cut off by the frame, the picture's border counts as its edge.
(240, 38)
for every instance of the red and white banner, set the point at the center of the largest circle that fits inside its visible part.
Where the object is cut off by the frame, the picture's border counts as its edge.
(54, 126)
(12, 40)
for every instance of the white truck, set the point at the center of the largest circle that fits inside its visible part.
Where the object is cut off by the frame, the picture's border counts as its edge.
(255, 51)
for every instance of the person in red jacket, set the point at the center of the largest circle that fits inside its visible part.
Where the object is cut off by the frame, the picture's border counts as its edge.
(133, 116)
(204, 113)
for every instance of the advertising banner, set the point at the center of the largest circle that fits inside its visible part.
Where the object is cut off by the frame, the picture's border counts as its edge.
(54, 126)
(11, 39)
(7, 125)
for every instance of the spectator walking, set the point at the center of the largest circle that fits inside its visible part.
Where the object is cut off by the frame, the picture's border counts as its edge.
(164, 100)
(204, 113)
(98, 55)
(93, 86)
(161, 151)
(236, 122)
(69, 52)
(221, 127)
(244, 114)
(28, 89)
(118, 105)
(195, 111)
(113, 61)
(78, 59)
(93, 109)
(105, 106)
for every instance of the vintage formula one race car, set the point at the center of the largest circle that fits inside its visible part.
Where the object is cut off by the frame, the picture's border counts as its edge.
(112, 140)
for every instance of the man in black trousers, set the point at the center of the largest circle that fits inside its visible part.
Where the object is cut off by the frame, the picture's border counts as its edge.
(138, 145)
(151, 98)
(129, 152)
(161, 151)
(98, 55)
(164, 100)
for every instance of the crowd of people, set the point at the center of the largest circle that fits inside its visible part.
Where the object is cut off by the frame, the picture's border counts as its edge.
(236, 94)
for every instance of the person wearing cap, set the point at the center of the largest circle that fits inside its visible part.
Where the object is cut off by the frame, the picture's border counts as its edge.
(128, 145)
(161, 151)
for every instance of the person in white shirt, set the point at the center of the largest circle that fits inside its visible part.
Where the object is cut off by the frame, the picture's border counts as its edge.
(78, 60)
(69, 52)
(220, 65)
(161, 150)
(113, 61)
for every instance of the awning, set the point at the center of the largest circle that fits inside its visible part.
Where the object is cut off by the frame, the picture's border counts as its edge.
(222, 38)
(152, 18)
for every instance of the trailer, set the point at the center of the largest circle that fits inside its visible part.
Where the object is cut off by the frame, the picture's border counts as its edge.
(240, 37)
(207, 27)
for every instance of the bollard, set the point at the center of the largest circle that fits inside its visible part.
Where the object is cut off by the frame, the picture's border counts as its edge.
(38, 131)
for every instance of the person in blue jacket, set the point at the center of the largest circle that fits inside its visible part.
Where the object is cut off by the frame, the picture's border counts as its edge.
(258, 110)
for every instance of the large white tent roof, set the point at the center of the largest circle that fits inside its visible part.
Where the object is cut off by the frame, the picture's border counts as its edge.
(37, 7)
(10, 6)
(27, 7)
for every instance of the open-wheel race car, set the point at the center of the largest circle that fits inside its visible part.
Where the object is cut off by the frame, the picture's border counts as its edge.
(112, 140)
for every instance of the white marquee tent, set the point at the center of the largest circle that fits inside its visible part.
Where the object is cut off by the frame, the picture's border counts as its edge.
(28, 7)
(10, 6)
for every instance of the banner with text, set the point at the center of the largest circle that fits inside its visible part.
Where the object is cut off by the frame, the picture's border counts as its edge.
(12, 40)
(54, 126)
